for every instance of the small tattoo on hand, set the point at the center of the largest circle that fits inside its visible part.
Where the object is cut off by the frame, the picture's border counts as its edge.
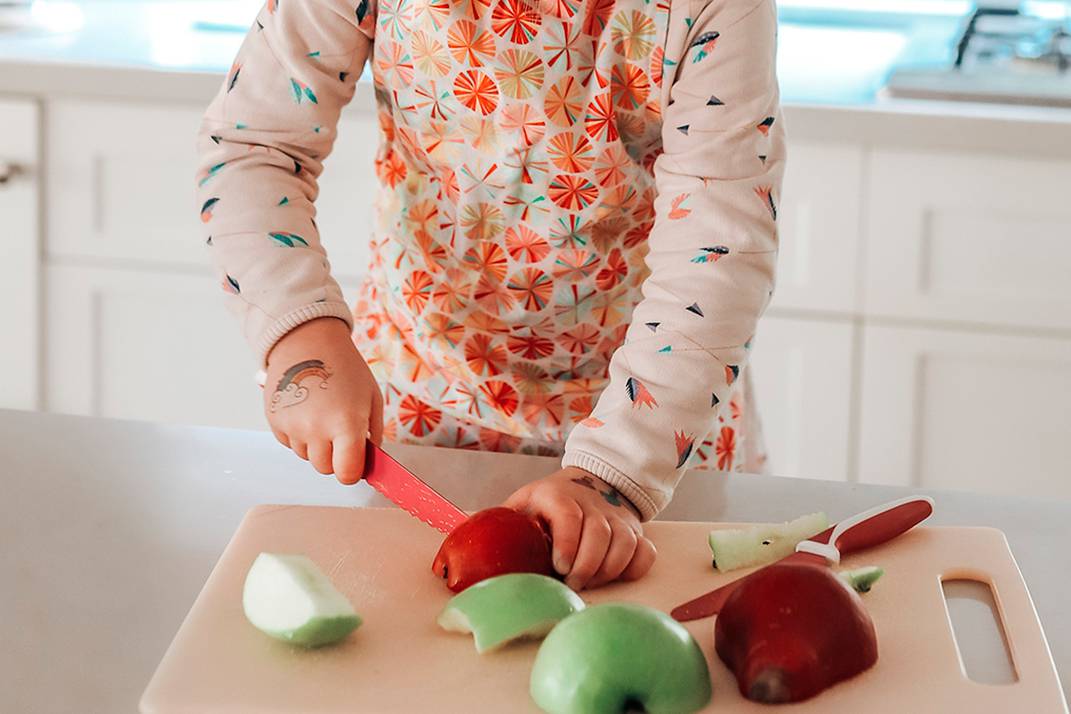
(290, 390)
(612, 495)
(586, 482)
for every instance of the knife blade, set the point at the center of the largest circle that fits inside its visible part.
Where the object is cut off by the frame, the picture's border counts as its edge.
(864, 530)
(405, 489)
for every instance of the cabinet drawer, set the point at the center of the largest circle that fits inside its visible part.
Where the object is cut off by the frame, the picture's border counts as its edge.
(19, 270)
(979, 412)
(802, 375)
(819, 241)
(969, 237)
(121, 184)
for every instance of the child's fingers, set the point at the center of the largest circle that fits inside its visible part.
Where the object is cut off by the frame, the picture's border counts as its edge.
(594, 542)
(375, 419)
(622, 547)
(349, 459)
(320, 456)
(300, 448)
(566, 520)
(281, 438)
(642, 560)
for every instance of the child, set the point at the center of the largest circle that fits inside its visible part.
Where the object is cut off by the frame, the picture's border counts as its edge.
(575, 239)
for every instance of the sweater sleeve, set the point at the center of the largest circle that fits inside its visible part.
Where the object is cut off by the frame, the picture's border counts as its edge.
(261, 149)
(712, 256)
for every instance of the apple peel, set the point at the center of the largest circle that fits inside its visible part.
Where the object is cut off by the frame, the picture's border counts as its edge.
(510, 607)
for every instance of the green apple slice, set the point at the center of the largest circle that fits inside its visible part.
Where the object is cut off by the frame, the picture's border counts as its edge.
(743, 547)
(862, 579)
(290, 599)
(620, 657)
(509, 607)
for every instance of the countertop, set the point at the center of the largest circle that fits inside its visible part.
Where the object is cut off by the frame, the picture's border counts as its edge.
(833, 60)
(108, 529)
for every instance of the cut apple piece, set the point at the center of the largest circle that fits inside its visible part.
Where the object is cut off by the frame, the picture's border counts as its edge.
(287, 597)
(620, 657)
(509, 607)
(862, 579)
(743, 547)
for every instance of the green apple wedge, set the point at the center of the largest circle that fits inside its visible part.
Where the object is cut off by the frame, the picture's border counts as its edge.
(287, 597)
(615, 657)
(509, 607)
(743, 547)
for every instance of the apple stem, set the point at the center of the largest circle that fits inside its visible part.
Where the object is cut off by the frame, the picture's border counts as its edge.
(769, 687)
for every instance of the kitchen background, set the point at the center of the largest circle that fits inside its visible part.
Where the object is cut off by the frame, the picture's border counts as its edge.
(920, 335)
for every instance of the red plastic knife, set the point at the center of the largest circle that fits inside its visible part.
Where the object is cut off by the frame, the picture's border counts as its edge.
(862, 531)
(403, 488)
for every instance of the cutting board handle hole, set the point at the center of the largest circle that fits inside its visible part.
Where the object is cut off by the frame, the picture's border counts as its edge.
(978, 631)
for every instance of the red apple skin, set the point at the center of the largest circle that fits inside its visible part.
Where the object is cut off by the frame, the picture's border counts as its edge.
(493, 542)
(793, 630)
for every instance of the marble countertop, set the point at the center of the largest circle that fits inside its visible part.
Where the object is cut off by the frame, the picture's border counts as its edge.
(108, 530)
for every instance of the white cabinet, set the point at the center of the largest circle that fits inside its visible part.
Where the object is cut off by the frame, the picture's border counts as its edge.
(802, 374)
(139, 345)
(19, 278)
(121, 185)
(979, 238)
(963, 410)
(819, 242)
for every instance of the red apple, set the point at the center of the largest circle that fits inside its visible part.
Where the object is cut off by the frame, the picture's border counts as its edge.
(493, 542)
(792, 630)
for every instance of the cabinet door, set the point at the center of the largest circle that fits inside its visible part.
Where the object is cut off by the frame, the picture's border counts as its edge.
(348, 184)
(969, 237)
(19, 270)
(981, 412)
(146, 345)
(802, 375)
(818, 260)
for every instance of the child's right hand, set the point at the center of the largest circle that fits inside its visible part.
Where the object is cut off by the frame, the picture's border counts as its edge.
(321, 399)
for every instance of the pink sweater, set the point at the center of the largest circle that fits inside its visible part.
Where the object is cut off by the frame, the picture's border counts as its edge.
(576, 217)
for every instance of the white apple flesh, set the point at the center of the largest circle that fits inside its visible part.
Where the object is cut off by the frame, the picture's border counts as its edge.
(287, 597)
(743, 547)
(509, 607)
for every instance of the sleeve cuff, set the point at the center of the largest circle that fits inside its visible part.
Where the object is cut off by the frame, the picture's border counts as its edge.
(592, 464)
(275, 331)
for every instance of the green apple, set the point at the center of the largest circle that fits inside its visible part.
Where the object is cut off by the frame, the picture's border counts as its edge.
(743, 547)
(862, 579)
(615, 657)
(508, 607)
(290, 599)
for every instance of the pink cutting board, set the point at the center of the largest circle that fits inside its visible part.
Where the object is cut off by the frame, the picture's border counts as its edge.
(400, 661)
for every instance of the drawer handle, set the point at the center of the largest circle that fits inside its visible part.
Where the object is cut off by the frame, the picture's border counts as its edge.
(9, 171)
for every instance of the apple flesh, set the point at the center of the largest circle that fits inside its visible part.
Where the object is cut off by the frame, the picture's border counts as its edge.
(509, 607)
(743, 547)
(493, 542)
(792, 630)
(862, 579)
(287, 597)
(619, 657)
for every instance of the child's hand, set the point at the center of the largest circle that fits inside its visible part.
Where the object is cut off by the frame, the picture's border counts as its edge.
(321, 399)
(596, 532)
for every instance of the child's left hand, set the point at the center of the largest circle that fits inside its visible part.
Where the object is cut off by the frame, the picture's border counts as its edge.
(596, 531)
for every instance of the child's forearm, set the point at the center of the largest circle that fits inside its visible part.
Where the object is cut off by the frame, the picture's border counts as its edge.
(262, 146)
(712, 258)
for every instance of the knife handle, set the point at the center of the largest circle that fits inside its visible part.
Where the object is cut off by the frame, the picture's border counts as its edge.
(869, 528)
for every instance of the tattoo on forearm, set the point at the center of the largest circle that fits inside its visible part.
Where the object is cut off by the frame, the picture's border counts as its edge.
(612, 495)
(290, 390)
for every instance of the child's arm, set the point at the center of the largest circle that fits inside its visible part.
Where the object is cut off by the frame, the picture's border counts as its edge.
(262, 146)
(712, 254)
